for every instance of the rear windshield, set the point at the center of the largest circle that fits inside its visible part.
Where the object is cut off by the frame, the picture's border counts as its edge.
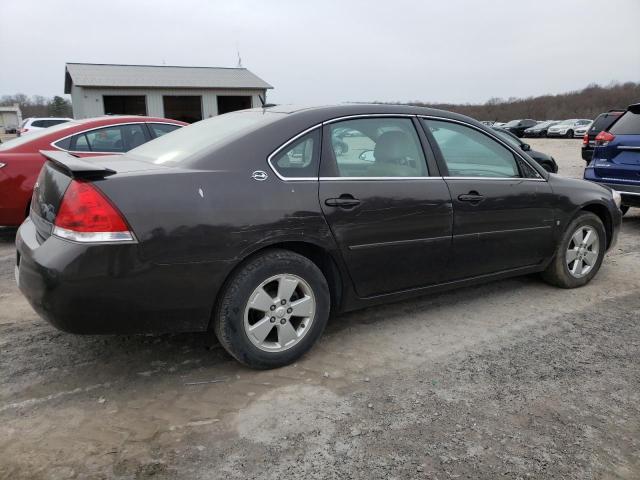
(604, 121)
(175, 147)
(16, 142)
(628, 124)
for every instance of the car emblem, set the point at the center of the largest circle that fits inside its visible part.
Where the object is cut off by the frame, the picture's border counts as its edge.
(259, 175)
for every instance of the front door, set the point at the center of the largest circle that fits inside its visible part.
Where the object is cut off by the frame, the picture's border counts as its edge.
(503, 208)
(391, 219)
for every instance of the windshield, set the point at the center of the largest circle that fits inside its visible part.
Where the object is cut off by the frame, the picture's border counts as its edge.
(512, 123)
(568, 122)
(175, 147)
(508, 138)
(543, 124)
(16, 142)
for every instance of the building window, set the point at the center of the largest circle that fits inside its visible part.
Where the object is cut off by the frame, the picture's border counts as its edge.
(186, 108)
(231, 103)
(125, 104)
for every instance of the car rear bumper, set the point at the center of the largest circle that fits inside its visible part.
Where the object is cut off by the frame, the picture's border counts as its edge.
(587, 153)
(106, 288)
(630, 193)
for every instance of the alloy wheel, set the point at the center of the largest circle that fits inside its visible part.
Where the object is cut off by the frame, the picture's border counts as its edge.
(582, 252)
(279, 312)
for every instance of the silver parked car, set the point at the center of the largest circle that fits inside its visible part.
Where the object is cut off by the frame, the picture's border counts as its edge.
(567, 128)
(580, 132)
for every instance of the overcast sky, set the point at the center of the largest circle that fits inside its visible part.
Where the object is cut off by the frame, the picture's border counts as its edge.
(329, 51)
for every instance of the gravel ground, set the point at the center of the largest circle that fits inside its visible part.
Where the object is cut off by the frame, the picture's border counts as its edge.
(512, 379)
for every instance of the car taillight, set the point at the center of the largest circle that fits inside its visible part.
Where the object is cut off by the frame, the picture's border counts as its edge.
(585, 139)
(86, 215)
(22, 130)
(604, 138)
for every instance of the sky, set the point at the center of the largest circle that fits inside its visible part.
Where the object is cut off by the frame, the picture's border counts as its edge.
(331, 51)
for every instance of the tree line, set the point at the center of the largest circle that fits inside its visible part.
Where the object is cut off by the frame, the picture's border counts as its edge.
(38, 106)
(586, 103)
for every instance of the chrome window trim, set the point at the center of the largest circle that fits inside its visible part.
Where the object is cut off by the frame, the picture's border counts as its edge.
(364, 115)
(627, 193)
(321, 124)
(342, 179)
(53, 144)
(512, 179)
(492, 136)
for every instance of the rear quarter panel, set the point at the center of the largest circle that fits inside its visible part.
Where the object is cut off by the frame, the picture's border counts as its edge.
(17, 178)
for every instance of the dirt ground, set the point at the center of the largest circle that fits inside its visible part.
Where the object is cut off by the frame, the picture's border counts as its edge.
(512, 379)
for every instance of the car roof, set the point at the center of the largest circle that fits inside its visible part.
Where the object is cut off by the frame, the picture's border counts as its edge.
(113, 119)
(320, 113)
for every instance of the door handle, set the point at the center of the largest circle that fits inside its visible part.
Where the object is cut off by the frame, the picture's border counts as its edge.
(343, 201)
(472, 197)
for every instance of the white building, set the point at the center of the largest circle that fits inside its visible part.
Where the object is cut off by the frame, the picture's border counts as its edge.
(182, 93)
(10, 118)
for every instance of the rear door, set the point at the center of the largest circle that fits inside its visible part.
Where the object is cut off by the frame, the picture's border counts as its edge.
(387, 206)
(619, 160)
(503, 208)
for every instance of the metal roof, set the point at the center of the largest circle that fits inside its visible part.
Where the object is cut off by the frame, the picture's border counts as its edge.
(159, 76)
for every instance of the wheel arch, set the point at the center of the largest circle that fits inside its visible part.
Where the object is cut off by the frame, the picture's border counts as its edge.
(602, 212)
(317, 254)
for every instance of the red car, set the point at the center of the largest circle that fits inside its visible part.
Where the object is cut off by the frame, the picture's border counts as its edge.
(20, 158)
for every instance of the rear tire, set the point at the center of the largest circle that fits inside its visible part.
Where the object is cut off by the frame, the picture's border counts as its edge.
(562, 271)
(255, 319)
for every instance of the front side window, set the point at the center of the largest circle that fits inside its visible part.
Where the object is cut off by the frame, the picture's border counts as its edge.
(377, 147)
(470, 153)
(300, 158)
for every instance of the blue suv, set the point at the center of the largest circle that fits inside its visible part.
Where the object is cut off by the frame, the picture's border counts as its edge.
(616, 158)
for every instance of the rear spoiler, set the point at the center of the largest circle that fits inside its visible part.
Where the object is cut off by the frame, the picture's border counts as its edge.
(635, 108)
(76, 167)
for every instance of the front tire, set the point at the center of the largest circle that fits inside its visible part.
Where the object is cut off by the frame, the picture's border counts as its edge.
(579, 254)
(272, 310)
(569, 134)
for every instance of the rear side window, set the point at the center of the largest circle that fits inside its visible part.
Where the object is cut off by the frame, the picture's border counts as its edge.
(106, 140)
(116, 139)
(300, 158)
(79, 143)
(628, 124)
(470, 153)
(159, 129)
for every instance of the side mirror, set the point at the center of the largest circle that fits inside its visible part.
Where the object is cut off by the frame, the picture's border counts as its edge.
(526, 147)
(367, 156)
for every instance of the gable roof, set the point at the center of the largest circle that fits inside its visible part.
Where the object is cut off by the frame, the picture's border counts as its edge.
(158, 76)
